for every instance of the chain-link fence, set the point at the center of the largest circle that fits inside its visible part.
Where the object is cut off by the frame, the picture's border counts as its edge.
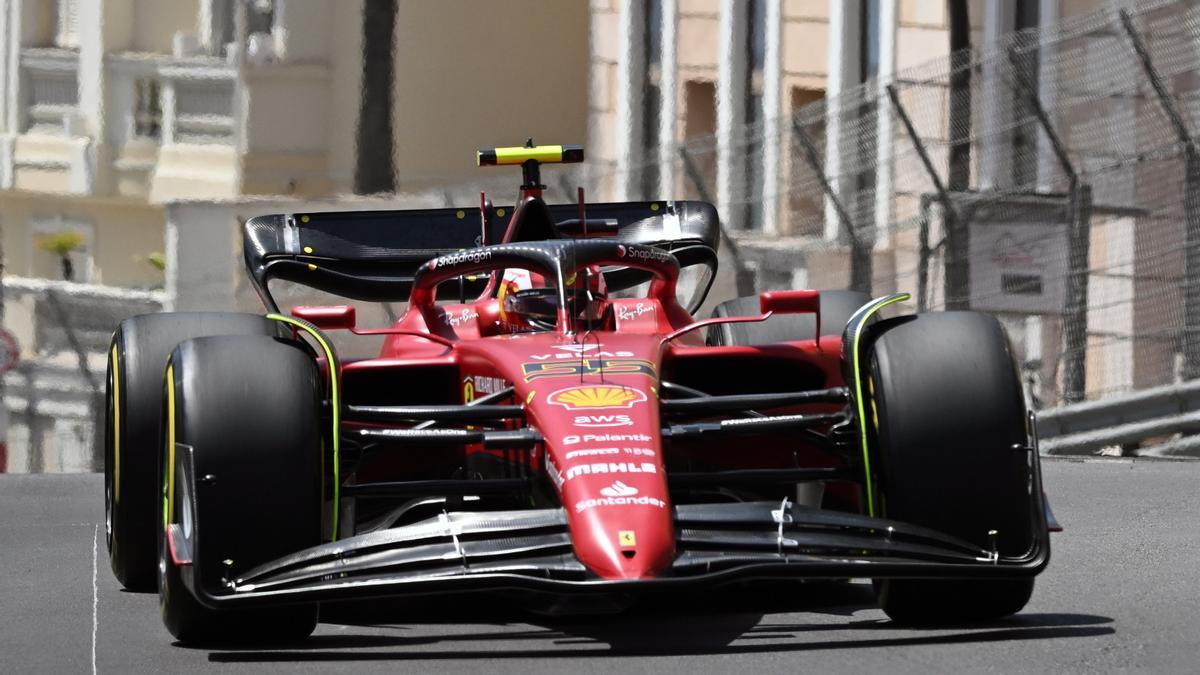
(1050, 178)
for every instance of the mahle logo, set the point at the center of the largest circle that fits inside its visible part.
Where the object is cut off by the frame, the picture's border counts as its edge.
(597, 397)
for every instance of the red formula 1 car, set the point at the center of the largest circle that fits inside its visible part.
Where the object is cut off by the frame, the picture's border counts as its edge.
(571, 432)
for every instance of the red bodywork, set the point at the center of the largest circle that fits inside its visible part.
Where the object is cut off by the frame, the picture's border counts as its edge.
(592, 393)
(594, 398)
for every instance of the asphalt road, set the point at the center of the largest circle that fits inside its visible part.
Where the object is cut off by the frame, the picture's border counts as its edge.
(1122, 592)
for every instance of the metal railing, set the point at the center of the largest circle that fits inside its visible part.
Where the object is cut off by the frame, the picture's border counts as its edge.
(51, 91)
(1122, 424)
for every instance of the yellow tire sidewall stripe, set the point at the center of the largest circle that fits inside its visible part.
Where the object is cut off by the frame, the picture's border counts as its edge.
(169, 494)
(859, 395)
(335, 404)
(114, 423)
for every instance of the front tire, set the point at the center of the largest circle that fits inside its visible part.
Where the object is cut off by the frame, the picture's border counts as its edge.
(948, 414)
(137, 357)
(249, 407)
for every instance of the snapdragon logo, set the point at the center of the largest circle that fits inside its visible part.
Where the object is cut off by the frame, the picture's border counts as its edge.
(475, 256)
(643, 253)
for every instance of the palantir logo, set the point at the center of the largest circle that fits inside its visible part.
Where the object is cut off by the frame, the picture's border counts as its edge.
(618, 489)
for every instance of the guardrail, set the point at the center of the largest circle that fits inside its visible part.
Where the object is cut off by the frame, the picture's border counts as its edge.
(1125, 421)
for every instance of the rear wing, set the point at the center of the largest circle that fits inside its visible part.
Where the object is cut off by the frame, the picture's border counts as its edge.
(373, 255)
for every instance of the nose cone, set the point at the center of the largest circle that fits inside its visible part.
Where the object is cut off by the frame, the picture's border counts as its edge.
(617, 508)
(614, 490)
(596, 405)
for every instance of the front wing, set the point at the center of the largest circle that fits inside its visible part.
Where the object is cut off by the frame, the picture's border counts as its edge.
(531, 550)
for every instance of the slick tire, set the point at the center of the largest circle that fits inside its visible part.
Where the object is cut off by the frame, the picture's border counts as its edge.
(137, 357)
(249, 408)
(949, 410)
(836, 309)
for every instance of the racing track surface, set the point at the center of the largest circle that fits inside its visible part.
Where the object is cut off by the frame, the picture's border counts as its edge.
(1122, 592)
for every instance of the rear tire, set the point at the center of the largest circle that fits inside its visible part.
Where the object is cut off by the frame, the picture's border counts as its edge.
(836, 309)
(137, 357)
(948, 409)
(249, 408)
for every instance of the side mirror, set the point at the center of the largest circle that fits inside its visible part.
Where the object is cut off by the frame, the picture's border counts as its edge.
(793, 302)
(790, 302)
(335, 317)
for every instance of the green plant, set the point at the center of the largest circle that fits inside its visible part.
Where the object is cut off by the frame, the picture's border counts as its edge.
(63, 244)
(157, 260)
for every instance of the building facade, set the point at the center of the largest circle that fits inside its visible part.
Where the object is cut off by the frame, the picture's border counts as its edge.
(113, 108)
(666, 72)
(116, 113)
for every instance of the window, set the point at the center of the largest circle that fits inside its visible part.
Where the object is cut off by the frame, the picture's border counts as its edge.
(61, 249)
(651, 98)
(806, 207)
(260, 16)
(1025, 136)
(863, 205)
(700, 121)
(869, 41)
(756, 52)
(217, 28)
(203, 111)
(53, 96)
(147, 109)
(66, 33)
(218, 25)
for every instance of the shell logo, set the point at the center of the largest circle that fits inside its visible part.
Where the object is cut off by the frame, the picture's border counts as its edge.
(597, 397)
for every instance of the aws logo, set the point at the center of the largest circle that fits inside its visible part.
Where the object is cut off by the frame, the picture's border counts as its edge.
(603, 421)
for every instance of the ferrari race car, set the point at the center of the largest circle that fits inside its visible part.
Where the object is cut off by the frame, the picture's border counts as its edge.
(560, 428)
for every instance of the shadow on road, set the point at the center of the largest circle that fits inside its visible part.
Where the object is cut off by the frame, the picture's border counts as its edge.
(700, 624)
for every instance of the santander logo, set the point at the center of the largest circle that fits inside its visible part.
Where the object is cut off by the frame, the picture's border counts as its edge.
(618, 489)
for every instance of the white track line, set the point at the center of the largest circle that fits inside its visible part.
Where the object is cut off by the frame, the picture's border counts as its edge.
(95, 594)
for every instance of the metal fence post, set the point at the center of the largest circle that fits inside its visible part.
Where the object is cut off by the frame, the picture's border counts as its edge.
(1079, 242)
(860, 254)
(923, 253)
(1190, 344)
(1075, 319)
(958, 271)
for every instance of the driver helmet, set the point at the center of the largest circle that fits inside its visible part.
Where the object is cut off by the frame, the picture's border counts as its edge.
(529, 303)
